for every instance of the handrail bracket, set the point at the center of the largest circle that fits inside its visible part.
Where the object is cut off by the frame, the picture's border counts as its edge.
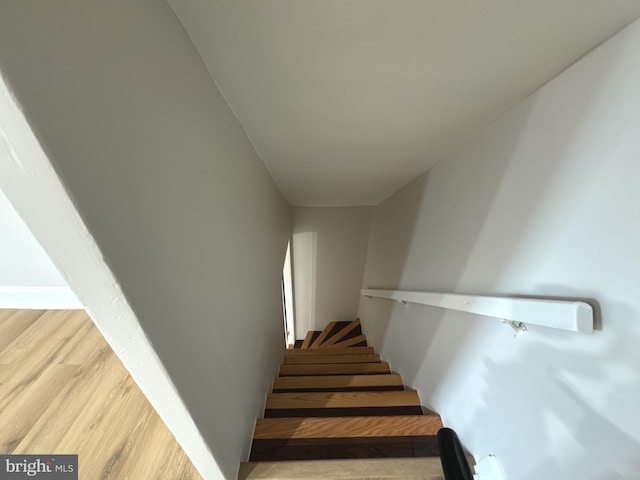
(519, 328)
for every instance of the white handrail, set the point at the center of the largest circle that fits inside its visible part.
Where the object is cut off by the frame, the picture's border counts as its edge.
(575, 316)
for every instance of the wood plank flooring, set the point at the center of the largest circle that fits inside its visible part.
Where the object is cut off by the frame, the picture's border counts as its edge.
(63, 390)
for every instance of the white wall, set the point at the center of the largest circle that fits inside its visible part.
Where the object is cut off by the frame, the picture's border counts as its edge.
(544, 202)
(183, 210)
(28, 278)
(23, 262)
(329, 249)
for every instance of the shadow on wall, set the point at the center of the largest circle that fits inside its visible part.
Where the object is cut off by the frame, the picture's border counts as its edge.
(583, 442)
(304, 247)
(328, 253)
(389, 242)
(493, 219)
(428, 232)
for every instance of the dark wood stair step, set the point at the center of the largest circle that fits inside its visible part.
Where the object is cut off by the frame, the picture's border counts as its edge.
(338, 382)
(349, 427)
(317, 359)
(335, 369)
(337, 448)
(343, 412)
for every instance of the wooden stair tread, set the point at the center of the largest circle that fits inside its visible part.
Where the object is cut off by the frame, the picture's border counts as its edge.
(338, 381)
(335, 369)
(309, 359)
(299, 352)
(310, 338)
(307, 339)
(428, 468)
(347, 427)
(341, 334)
(335, 400)
(343, 412)
(341, 400)
(316, 343)
(348, 343)
(337, 328)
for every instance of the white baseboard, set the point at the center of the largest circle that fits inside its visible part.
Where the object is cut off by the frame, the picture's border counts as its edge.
(39, 298)
(489, 469)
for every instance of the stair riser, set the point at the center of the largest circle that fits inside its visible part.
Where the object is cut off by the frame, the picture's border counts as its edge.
(319, 449)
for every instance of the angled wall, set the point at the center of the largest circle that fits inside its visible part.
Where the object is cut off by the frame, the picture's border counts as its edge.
(184, 212)
(544, 202)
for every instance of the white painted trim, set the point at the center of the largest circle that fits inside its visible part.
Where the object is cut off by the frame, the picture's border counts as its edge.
(489, 469)
(574, 316)
(36, 193)
(289, 311)
(39, 298)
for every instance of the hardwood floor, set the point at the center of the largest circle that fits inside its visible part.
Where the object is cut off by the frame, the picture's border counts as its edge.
(63, 390)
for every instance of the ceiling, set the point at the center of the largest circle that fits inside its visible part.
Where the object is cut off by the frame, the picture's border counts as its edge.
(346, 101)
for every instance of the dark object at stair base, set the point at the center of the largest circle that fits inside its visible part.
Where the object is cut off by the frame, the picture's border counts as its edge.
(452, 456)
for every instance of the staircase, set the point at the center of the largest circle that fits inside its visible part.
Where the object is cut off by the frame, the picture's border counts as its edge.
(337, 412)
